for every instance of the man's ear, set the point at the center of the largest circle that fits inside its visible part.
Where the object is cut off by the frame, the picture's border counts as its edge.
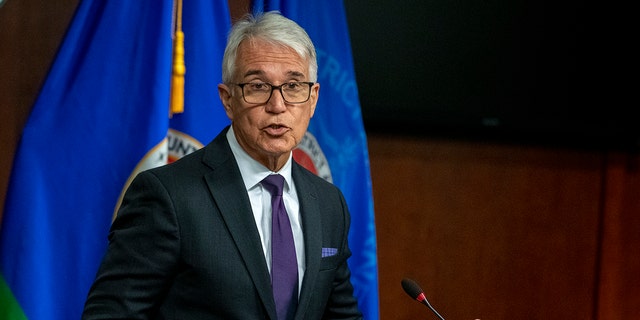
(315, 91)
(225, 97)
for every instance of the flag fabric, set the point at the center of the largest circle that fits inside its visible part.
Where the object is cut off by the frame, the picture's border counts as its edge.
(101, 116)
(337, 140)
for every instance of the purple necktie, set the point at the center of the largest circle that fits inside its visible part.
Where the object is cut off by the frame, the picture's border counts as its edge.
(284, 266)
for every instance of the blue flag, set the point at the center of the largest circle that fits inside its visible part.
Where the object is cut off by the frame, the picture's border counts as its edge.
(336, 147)
(101, 116)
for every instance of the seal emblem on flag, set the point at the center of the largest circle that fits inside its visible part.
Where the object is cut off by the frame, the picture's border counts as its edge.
(180, 144)
(173, 147)
(309, 154)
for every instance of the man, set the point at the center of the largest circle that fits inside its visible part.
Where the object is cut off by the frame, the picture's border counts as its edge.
(193, 240)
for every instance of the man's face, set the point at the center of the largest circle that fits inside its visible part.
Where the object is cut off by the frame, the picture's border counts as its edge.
(268, 131)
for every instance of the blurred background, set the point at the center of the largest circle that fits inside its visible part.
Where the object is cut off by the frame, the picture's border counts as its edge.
(503, 153)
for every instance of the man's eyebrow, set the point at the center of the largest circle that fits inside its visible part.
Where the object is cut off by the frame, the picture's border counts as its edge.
(295, 74)
(253, 72)
(259, 72)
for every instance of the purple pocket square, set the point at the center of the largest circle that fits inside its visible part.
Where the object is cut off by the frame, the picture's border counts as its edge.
(328, 252)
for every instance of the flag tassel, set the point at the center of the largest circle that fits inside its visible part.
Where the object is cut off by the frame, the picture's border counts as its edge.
(179, 69)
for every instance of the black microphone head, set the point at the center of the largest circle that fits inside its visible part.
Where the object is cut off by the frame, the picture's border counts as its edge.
(411, 288)
(414, 290)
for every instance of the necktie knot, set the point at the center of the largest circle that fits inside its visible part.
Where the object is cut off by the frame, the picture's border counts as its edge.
(274, 183)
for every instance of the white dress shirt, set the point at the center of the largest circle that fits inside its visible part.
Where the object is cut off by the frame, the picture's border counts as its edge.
(252, 173)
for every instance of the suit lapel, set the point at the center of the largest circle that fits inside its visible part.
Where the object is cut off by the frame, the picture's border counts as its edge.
(310, 212)
(228, 190)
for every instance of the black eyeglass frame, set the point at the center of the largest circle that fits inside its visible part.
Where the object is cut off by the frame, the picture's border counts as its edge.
(279, 88)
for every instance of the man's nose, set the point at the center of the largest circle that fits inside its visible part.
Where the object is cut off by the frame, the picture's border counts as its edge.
(276, 103)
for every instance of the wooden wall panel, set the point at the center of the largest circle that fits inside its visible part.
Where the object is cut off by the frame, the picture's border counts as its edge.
(490, 231)
(619, 282)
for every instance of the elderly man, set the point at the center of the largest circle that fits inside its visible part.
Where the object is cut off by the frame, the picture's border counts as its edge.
(236, 230)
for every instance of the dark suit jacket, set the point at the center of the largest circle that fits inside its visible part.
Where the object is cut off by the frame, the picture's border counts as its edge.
(185, 246)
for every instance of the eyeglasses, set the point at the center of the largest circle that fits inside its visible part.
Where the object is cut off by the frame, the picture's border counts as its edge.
(260, 92)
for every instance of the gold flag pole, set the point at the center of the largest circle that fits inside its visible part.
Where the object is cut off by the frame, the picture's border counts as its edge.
(179, 68)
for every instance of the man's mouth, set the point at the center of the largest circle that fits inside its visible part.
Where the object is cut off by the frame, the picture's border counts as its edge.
(276, 129)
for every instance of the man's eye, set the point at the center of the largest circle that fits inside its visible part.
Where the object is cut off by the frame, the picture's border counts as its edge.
(258, 86)
(293, 85)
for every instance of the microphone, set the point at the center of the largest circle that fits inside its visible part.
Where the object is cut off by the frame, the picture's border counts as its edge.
(414, 291)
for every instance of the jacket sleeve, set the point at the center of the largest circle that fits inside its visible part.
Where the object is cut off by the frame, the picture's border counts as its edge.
(142, 254)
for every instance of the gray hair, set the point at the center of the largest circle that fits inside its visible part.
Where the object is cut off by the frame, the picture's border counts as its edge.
(271, 27)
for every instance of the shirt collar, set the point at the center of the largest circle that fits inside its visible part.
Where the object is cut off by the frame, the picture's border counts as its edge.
(252, 171)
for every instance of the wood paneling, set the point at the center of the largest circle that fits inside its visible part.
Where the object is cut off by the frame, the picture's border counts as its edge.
(490, 231)
(619, 290)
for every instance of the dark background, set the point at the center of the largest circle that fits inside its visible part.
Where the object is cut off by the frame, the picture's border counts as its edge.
(505, 70)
